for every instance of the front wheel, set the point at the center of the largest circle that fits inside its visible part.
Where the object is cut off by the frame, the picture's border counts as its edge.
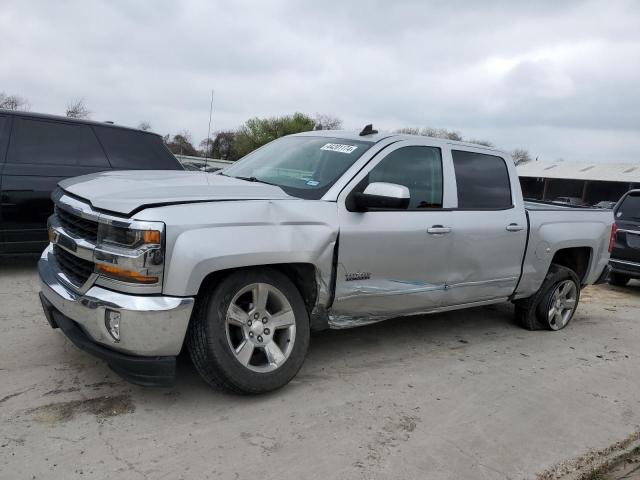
(552, 307)
(250, 333)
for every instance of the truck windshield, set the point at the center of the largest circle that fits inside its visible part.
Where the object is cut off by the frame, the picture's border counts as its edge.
(304, 167)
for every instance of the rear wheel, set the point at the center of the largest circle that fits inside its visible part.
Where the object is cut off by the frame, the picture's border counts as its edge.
(552, 307)
(250, 333)
(618, 279)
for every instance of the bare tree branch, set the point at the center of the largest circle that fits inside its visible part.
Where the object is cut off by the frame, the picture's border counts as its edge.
(520, 156)
(485, 143)
(327, 122)
(13, 102)
(77, 109)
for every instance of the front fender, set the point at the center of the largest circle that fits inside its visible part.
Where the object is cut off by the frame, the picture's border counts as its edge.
(241, 235)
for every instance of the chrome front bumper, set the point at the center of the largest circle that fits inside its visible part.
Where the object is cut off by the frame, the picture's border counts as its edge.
(149, 325)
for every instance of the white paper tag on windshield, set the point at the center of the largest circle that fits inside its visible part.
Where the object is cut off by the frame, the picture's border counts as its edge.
(339, 147)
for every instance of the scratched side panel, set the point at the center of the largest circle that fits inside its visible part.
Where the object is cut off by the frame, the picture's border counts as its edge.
(388, 265)
(370, 301)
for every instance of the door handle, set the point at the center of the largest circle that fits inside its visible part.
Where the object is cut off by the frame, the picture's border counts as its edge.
(438, 229)
(514, 227)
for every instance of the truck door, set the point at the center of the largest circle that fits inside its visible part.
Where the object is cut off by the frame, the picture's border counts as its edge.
(488, 228)
(388, 263)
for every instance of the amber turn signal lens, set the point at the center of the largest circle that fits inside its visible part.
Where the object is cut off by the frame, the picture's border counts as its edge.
(124, 275)
(152, 236)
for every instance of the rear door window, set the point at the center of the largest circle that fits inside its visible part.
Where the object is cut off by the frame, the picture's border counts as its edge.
(131, 150)
(54, 143)
(482, 181)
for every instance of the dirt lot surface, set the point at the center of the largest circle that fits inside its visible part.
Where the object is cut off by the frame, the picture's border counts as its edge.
(458, 395)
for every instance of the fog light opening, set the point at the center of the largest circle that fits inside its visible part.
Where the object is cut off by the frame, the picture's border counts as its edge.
(112, 322)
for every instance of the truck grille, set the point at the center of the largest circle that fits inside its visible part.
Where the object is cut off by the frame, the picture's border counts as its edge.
(76, 269)
(77, 226)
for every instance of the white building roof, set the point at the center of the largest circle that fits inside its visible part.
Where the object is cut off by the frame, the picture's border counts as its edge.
(607, 172)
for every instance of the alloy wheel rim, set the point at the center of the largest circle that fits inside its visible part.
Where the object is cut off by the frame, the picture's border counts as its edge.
(260, 327)
(562, 304)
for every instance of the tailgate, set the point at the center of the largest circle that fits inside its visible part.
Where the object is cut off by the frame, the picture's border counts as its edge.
(627, 245)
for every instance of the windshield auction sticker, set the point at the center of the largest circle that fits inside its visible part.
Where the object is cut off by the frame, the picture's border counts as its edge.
(339, 147)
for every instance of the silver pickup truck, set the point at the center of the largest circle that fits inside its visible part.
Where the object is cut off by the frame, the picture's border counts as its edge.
(312, 231)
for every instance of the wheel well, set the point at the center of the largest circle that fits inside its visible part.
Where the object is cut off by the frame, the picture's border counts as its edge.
(577, 259)
(303, 275)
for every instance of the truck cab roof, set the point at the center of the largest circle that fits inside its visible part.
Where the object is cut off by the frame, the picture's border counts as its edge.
(379, 136)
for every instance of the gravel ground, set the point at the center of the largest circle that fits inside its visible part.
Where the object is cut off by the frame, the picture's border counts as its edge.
(458, 395)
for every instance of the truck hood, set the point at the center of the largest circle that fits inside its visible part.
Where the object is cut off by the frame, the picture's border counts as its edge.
(126, 192)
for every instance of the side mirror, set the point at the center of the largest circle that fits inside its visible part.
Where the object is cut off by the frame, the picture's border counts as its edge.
(382, 195)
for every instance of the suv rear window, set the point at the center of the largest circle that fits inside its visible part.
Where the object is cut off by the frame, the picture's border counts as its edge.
(482, 181)
(629, 209)
(54, 143)
(132, 150)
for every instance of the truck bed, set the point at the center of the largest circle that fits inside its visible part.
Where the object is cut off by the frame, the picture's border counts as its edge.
(533, 205)
(554, 227)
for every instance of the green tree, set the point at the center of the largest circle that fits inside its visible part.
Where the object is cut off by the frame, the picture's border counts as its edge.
(259, 131)
(180, 144)
(222, 146)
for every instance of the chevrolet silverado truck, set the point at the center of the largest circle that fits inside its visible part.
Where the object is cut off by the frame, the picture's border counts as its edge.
(324, 229)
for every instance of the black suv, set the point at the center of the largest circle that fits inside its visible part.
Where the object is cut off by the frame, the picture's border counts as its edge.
(625, 257)
(37, 151)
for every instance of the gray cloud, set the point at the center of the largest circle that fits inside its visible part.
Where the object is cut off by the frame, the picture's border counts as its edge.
(559, 78)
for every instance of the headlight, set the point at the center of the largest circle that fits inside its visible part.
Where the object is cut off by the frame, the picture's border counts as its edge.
(127, 237)
(131, 255)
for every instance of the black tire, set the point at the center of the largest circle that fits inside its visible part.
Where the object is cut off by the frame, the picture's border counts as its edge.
(531, 313)
(618, 279)
(207, 338)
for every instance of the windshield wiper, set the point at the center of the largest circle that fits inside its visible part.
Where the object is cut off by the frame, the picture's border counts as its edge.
(253, 179)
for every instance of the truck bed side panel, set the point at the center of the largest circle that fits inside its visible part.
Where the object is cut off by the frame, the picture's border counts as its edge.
(554, 228)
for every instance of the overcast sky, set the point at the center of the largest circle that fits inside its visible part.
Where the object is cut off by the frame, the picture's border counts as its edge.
(560, 78)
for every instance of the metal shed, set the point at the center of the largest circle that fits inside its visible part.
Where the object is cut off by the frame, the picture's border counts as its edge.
(585, 183)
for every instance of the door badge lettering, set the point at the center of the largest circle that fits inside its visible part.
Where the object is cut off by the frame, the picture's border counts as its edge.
(350, 277)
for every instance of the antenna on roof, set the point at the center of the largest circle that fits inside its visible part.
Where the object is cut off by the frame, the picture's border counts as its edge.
(206, 155)
(368, 130)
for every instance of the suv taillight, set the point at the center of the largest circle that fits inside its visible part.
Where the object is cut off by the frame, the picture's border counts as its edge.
(612, 240)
